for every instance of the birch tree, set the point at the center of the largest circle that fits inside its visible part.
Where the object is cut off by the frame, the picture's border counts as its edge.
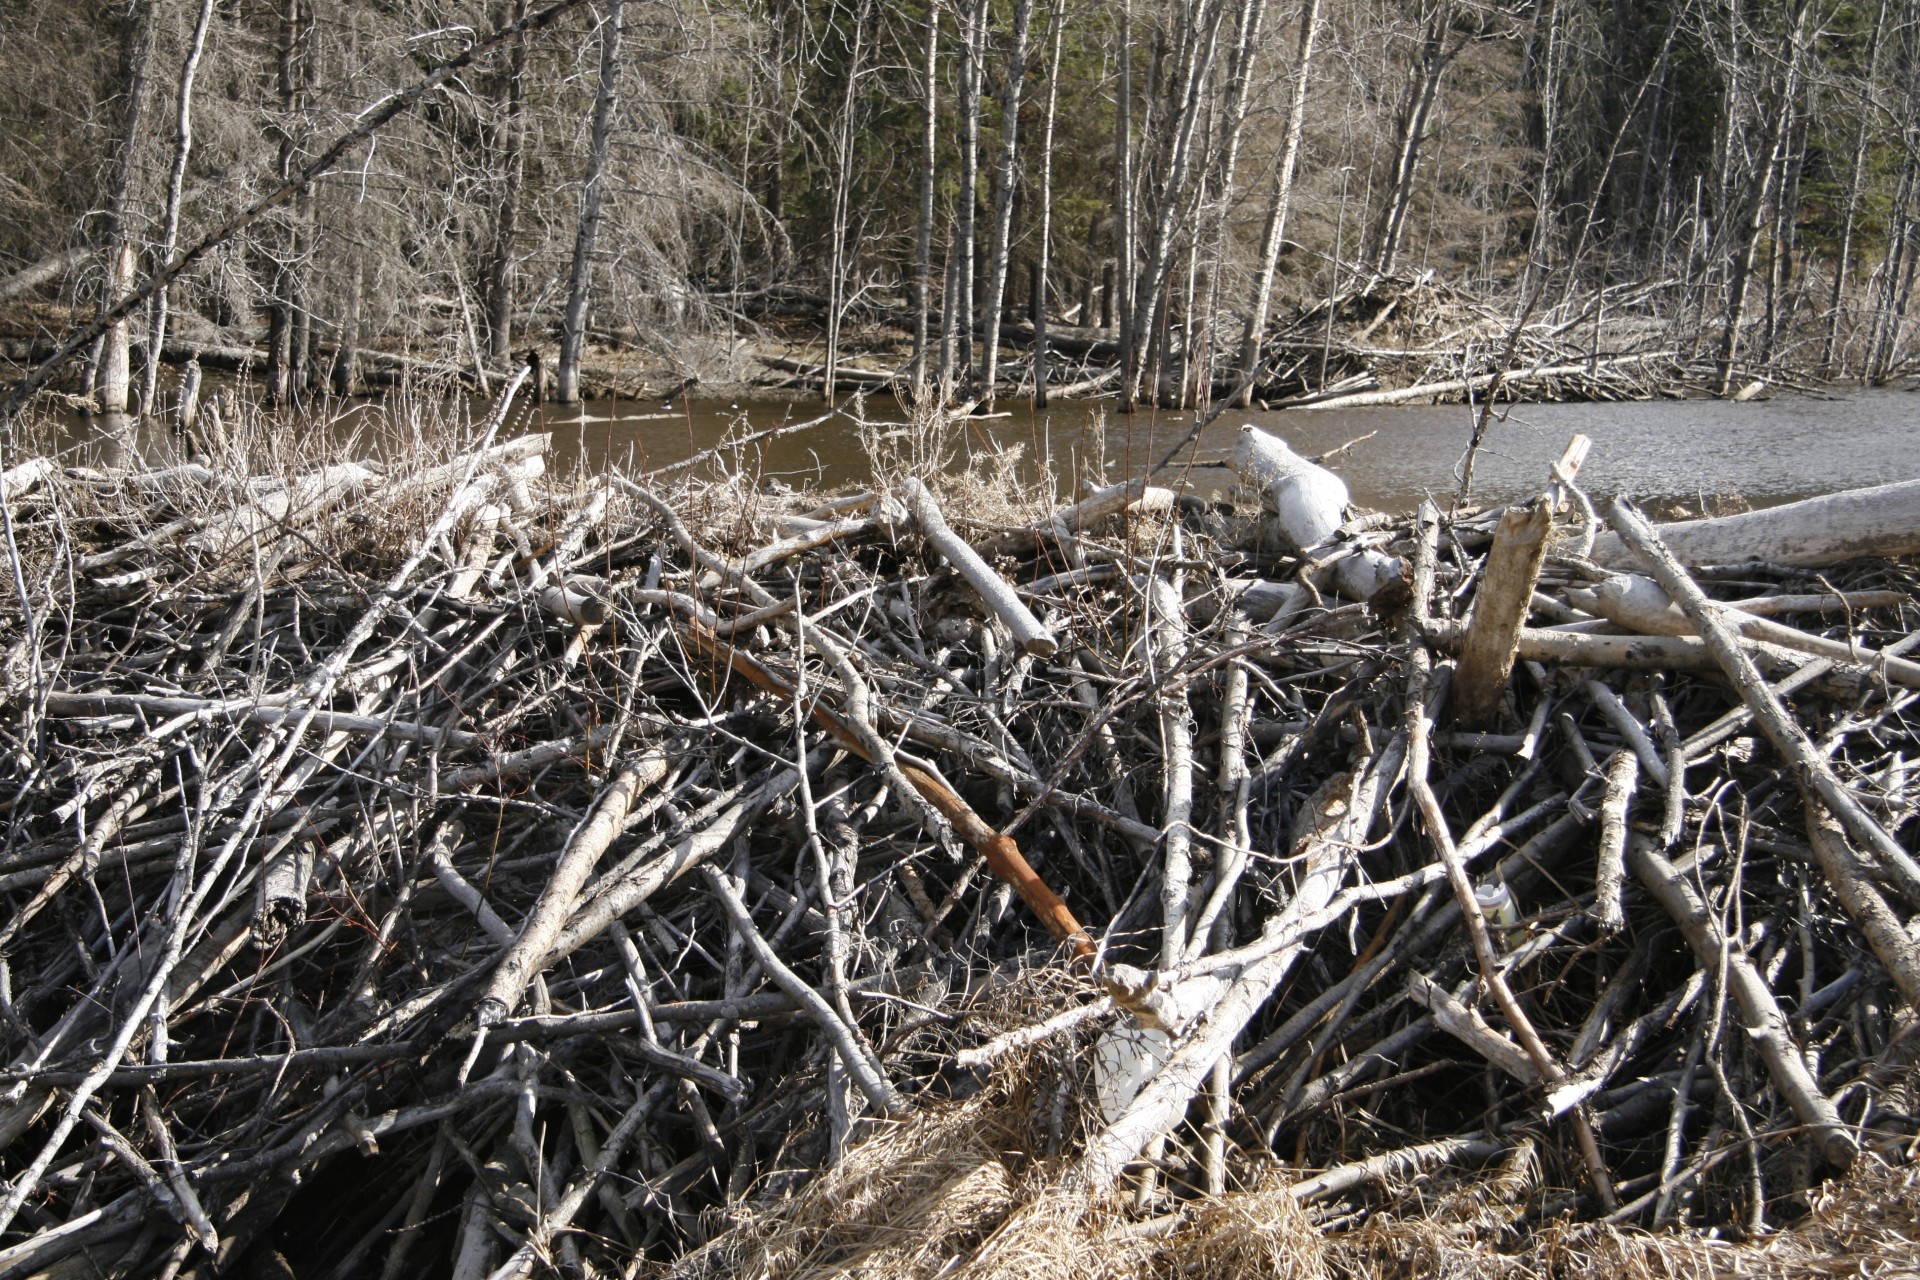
(573, 329)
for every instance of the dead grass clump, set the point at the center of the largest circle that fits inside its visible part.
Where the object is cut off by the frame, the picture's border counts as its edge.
(1262, 1231)
(1865, 1225)
(904, 1203)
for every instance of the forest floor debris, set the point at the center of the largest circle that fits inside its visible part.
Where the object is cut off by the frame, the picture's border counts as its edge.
(430, 864)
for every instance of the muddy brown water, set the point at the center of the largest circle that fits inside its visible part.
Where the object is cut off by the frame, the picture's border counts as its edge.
(1763, 452)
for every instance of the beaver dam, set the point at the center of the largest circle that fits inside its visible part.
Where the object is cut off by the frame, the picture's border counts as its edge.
(440, 866)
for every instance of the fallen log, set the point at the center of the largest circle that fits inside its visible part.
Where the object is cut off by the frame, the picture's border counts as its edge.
(1881, 521)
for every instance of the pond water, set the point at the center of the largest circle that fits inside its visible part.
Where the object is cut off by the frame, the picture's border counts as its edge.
(1764, 452)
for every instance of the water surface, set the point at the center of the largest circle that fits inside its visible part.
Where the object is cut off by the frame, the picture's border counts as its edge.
(1763, 452)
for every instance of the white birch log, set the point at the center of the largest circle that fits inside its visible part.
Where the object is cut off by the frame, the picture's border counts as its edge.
(1336, 819)
(305, 500)
(1640, 604)
(1881, 521)
(18, 481)
(1310, 505)
(1028, 631)
(1309, 501)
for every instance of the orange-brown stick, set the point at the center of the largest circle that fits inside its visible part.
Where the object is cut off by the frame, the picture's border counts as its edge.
(1002, 853)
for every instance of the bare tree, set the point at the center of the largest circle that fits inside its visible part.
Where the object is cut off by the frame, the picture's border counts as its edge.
(923, 244)
(286, 318)
(1043, 252)
(513, 170)
(112, 389)
(1003, 197)
(573, 328)
(170, 218)
(1423, 89)
(843, 164)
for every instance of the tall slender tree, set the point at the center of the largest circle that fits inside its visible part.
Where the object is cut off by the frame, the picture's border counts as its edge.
(593, 194)
(513, 170)
(1004, 180)
(113, 387)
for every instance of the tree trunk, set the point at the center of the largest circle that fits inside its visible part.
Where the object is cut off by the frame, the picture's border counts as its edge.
(1214, 234)
(506, 219)
(923, 246)
(973, 27)
(1423, 87)
(1275, 234)
(1003, 197)
(573, 329)
(842, 152)
(284, 358)
(170, 219)
(1549, 129)
(115, 365)
(1043, 259)
(1199, 42)
(1779, 132)
(1117, 308)
(346, 357)
(1855, 180)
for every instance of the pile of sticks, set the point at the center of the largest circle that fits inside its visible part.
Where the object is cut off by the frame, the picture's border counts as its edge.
(445, 868)
(1414, 339)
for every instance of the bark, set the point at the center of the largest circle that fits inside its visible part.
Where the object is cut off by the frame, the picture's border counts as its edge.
(1880, 521)
(115, 368)
(842, 153)
(1119, 294)
(176, 178)
(1760, 1014)
(573, 328)
(1028, 631)
(1043, 259)
(923, 245)
(1003, 197)
(973, 39)
(1772, 177)
(284, 358)
(1499, 609)
(1423, 89)
(1278, 204)
(1213, 234)
(506, 220)
(1175, 196)
(1809, 767)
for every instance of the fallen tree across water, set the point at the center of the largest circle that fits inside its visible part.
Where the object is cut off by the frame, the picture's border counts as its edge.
(440, 866)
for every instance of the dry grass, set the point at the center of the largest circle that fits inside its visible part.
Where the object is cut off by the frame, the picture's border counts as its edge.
(958, 1191)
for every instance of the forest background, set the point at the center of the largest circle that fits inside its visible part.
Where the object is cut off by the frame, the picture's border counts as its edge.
(1176, 197)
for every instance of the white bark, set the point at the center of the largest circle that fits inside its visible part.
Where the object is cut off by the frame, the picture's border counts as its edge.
(1028, 631)
(1881, 521)
(1336, 822)
(1638, 603)
(176, 180)
(1309, 500)
(573, 329)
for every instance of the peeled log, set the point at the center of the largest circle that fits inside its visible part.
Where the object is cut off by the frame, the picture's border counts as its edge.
(1310, 504)
(1309, 501)
(1499, 609)
(16, 481)
(1881, 521)
(1028, 631)
(1641, 604)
